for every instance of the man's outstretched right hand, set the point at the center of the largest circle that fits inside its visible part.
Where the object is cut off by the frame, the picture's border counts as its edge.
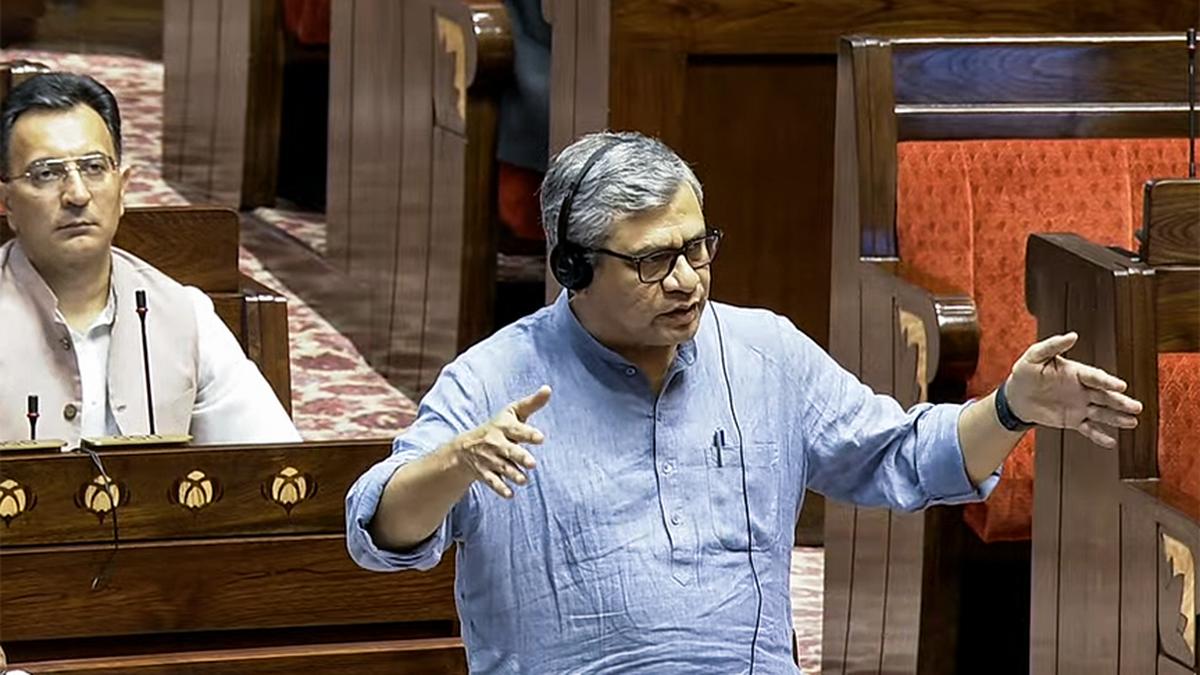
(492, 452)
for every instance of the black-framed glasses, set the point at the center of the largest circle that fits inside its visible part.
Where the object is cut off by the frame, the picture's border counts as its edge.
(94, 168)
(653, 267)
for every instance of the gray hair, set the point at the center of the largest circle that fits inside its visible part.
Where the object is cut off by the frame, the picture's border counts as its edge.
(639, 174)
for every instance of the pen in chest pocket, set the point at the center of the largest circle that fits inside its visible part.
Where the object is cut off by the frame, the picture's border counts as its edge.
(719, 444)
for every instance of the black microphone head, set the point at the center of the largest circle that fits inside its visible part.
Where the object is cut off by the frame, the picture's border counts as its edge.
(33, 404)
(140, 297)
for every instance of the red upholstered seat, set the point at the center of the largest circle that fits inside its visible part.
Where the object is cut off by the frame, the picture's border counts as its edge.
(964, 212)
(1178, 420)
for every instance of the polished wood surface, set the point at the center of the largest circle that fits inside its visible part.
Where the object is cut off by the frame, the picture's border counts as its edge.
(222, 80)
(1172, 218)
(411, 211)
(893, 90)
(198, 246)
(395, 657)
(241, 549)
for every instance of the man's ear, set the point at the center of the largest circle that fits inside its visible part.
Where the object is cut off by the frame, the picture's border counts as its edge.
(5, 191)
(125, 174)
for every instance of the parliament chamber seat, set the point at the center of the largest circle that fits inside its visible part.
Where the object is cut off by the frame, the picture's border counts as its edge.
(952, 151)
(1129, 529)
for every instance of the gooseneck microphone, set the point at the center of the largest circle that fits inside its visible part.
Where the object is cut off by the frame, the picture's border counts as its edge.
(142, 310)
(32, 414)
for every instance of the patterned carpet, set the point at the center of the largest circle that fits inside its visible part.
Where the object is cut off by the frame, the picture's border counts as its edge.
(335, 394)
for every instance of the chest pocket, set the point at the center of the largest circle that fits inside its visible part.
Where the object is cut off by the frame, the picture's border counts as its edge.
(728, 506)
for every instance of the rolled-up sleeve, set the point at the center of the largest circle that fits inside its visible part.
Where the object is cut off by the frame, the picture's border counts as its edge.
(449, 409)
(864, 448)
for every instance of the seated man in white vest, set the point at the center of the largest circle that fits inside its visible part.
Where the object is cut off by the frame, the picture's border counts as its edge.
(72, 334)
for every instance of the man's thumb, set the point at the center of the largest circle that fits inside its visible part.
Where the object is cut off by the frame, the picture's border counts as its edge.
(532, 403)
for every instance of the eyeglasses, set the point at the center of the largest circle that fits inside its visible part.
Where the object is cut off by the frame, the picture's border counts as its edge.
(93, 168)
(653, 267)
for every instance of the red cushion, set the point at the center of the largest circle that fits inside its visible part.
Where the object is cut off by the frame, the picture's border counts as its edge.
(1178, 420)
(964, 212)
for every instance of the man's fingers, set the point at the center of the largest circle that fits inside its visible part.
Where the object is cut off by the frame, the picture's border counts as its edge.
(532, 403)
(1097, 434)
(1111, 418)
(516, 454)
(1095, 378)
(506, 469)
(1041, 352)
(1114, 400)
(519, 432)
(493, 481)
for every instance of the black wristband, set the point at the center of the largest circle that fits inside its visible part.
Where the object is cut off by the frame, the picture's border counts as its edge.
(1007, 419)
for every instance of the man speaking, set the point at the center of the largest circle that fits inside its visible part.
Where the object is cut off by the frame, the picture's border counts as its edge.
(650, 530)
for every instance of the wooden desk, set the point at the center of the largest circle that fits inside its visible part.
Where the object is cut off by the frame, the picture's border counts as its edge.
(228, 554)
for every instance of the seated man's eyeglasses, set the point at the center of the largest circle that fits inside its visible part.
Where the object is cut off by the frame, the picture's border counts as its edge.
(655, 266)
(93, 168)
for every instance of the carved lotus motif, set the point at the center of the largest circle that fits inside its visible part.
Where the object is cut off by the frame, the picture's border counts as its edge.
(101, 496)
(15, 499)
(289, 487)
(195, 491)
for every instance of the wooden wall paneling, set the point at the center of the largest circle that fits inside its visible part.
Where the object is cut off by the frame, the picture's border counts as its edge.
(196, 156)
(177, 15)
(750, 93)
(395, 657)
(1139, 564)
(339, 187)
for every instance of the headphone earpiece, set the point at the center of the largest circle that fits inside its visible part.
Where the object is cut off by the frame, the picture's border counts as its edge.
(570, 266)
(569, 261)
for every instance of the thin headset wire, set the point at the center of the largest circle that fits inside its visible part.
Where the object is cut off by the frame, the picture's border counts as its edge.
(102, 576)
(745, 494)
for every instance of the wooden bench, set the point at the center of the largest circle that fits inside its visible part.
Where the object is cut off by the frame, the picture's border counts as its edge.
(951, 151)
(231, 559)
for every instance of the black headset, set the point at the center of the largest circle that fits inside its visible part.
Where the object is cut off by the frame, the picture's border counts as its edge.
(569, 261)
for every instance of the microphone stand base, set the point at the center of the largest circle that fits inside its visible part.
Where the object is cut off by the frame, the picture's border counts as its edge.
(40, 444)
(135, 441)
